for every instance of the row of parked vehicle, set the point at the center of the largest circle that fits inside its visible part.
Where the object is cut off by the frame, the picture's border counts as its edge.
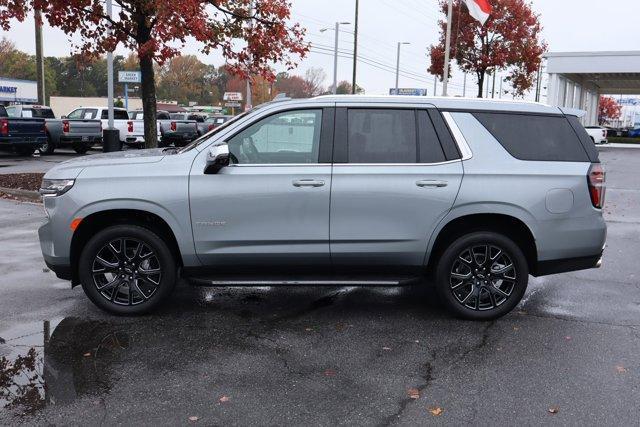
(27, 128)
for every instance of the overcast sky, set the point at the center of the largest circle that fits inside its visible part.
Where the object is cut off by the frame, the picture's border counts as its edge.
(569, 25)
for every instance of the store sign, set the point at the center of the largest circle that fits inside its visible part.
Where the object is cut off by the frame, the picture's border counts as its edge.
(232, 104)
(629, 101)
(129, 76)
(8, 89)
(408, 92)
(232, 96)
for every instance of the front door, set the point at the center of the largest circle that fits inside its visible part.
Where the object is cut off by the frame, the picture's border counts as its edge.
(270, 207)
(392, 184)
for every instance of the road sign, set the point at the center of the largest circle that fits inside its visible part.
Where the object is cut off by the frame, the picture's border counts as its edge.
(232, 104)
(408, 92)
(232, 96)
(129, 77)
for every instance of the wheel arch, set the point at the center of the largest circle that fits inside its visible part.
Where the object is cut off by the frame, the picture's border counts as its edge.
(504, 223)
(100, 220)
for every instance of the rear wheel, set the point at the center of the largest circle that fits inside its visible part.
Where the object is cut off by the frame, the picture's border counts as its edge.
(80, 147)
(48, 147)
(127, 270)
(482, 276)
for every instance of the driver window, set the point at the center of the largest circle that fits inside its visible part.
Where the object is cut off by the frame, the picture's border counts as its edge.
(289, 137)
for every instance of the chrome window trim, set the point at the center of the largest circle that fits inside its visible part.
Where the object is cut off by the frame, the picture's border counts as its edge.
(244, 165)
(458, 137)
(399, 164)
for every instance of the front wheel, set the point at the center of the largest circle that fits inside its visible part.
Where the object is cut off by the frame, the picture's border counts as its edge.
(48, 147)
(127, 270)
(482, 276)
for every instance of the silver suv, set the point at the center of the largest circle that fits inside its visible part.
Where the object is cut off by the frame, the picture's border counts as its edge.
(337, 191)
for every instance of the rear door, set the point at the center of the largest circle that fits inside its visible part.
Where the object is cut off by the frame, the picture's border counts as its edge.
(393, 181)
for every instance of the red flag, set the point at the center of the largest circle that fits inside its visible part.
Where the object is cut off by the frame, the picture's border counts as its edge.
(479, 9)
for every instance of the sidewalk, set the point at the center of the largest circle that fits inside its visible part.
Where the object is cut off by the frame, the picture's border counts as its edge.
(614, 145)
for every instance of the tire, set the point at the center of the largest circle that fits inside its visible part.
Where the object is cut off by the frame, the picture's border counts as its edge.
(114, 276)
(48, 147)
(25, 151)
(80, 148)
(470, 288)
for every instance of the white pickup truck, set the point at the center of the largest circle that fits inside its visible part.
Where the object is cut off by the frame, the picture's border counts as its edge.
(131, 131)
(598, 134)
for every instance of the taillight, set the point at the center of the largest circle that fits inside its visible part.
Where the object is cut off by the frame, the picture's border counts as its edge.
(65, 126)
(174, 126)
(130, 127)
(211, 127)
(604, 133)
(597, 185)
(4, 127)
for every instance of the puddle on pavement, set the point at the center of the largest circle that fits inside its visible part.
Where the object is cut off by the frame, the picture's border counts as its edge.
(54, 362)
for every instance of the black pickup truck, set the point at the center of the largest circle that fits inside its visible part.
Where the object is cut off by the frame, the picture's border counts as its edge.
(21, 136)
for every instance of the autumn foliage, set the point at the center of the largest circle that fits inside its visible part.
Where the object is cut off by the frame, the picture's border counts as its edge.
(250, 39)
(509, 41)
(608, 109)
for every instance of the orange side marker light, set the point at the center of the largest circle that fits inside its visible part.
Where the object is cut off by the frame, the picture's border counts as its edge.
(75, 224)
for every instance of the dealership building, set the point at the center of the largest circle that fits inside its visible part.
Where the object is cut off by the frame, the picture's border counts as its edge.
(578, 79)
(18, 91)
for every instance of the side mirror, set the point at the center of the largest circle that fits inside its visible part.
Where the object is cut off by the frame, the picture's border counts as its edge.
(217, 158)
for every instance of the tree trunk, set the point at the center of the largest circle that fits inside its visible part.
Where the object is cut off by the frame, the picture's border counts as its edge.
(149, 103)
(481, 77)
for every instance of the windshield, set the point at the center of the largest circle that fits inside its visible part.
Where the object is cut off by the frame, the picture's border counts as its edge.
(208, 135)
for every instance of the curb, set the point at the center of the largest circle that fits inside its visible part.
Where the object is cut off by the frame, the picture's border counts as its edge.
(18, 192)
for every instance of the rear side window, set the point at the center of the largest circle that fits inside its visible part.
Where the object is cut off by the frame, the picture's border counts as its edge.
(535, 137)
(382, 136)
(40, 113)
(585, 139)
(429, 148)
(117, 114)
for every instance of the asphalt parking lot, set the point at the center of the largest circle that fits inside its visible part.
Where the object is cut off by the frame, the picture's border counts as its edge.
(568, 355)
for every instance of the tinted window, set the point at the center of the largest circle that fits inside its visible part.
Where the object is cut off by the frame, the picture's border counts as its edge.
(117, 114)
(429, 148)
(289, 137)
(176, 116)
(161, 116)
(41, 113)
(585, 139)
(381, 136)
(11, 111)
(533, 137)
(91, 113)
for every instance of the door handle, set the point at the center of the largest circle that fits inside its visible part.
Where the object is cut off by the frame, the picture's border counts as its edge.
(308, 183)
(428, 183)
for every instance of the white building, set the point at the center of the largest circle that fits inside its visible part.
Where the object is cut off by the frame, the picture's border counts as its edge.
(577, 79)
(17, 91)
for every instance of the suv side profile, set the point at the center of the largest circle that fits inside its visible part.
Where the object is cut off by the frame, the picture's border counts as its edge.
(337, 190)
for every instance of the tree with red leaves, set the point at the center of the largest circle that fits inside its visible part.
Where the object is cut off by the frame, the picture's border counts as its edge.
(509, 41)
(608, 109)
(250, 39)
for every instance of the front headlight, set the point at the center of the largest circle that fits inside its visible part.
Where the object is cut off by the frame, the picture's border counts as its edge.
(55, 187)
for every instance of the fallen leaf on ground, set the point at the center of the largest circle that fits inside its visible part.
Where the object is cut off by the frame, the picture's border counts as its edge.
(621, 369)
(386, 348)
(340, 327)
(223, 399)
(193, 419)
(308, 329)
(436, 411)
(87, 354)
(554, 410)
(413, 393)
(568, 338)
(329, 373)
(516, 328)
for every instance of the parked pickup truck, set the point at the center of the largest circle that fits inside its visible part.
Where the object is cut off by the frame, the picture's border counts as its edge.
(79, 134)
(598, 134)
(23, 136)
(172, 130)
(131, 131)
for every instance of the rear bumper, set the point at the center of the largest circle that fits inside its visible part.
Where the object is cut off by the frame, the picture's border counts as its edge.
(545, 268)
(19, 141)
(85, 139)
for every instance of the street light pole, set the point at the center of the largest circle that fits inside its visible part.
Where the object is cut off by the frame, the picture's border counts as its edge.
(334, 89)
(39, 57)
(447, 50)
(398, 63)
(249, 103)
(109, 72)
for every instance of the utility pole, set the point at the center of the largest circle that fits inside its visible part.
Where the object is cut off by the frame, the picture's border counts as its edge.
(493, 88)
(435, 85)
(109, 71)
(39, 57)
(249, 103)
(398, 64)
(355, 51)
(538, 82)
(447, 50)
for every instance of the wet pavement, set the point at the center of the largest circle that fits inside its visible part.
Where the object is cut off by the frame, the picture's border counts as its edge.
(326, 356)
